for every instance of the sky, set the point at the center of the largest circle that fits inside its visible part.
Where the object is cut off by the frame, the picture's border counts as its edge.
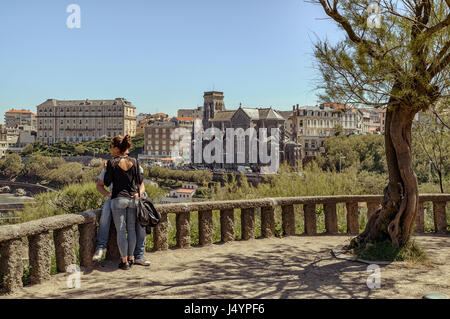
(161, 54)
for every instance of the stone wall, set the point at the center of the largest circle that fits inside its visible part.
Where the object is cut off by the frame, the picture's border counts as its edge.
(64, 227)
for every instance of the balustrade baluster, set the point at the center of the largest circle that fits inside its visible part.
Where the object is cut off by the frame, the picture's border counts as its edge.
(440, 220)
(309, 211)
(40, 254)
(420, 219)
(161, 234)
(288, 220)
(331, 224)
(227, 225)
(248, 223)
(352, 218)
(183, 230)
(11, 264)
(268, 221)
(88, 235)
(64, 248)
(205, 225)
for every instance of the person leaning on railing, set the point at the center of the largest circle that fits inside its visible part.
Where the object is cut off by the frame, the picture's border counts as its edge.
(122, 171)
(105, 223)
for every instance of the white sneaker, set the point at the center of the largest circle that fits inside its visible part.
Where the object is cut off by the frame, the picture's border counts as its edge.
(99, 254)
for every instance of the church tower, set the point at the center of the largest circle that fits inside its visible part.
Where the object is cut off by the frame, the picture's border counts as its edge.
(213, 102)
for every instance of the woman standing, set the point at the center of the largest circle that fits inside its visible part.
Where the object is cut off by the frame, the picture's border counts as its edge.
(123, 172)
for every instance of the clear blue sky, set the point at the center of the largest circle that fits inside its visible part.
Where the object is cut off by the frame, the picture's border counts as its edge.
(161, 54)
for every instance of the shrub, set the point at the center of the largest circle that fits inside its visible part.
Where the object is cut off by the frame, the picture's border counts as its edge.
(12, 166)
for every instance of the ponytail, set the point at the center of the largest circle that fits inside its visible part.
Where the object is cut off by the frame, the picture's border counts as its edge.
(122, 143)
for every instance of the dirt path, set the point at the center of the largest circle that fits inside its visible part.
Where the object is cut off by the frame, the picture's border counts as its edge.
(291, 267)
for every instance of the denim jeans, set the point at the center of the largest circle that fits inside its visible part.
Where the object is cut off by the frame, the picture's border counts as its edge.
(140, 241)
(103, 225)
(124, 215)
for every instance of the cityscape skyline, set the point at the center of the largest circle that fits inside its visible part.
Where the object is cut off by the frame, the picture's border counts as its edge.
(260, 54)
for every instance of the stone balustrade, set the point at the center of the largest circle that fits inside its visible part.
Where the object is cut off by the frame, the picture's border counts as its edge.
(62, 229)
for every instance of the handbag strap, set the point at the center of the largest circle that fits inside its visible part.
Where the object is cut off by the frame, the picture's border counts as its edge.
(137, 177)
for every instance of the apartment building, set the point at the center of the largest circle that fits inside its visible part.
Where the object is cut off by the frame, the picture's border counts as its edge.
(14, 139)
(140, 126)
(195, 113)
(23, 118)
(168, 139)
(311, 125)
(373, 120)
(84, 120)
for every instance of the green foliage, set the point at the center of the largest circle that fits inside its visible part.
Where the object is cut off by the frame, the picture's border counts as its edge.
(65, 174)
(365, 152)
(311, 181)
(100, 147)
(403, 59)
(71, 199)
(154, 192)
(202, 177)
(385, 251)
(11, 166)
(431, 148)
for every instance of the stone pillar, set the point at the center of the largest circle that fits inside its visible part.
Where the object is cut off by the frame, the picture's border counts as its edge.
(88, 236)
(112, 249)
(288, 218)
(440, 219)
(420, 219)
(40, 255)
(268, 221)
(248, 223)
(372, 208)
(205, 227)
(352, 218)
(331, 224)
(227, 225)
(309, 211)
(11, 264)
(183, 230)
(161, 234)
(64, 248)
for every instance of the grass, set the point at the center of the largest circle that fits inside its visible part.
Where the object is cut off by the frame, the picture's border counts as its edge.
(385, 251)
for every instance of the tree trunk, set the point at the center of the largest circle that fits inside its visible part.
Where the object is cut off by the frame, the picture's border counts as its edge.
(394, 220)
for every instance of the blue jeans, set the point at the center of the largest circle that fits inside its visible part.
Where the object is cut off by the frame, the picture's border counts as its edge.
(103, 225)
(124, 215)
(140, 241)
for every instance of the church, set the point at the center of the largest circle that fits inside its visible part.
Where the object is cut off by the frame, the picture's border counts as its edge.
(216, 115)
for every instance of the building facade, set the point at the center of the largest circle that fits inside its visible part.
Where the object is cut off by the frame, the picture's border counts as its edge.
(140, 126)
(23, 118)
(168, 139)
(195, 113)
(84, 120)
(216, 116)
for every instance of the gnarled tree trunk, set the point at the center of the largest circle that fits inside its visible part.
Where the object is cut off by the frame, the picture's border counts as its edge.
(395, 219)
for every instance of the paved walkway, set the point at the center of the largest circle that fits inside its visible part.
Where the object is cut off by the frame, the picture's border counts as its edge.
(291, 267)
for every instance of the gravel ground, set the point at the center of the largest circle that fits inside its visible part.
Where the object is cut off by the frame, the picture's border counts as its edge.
(290, 267)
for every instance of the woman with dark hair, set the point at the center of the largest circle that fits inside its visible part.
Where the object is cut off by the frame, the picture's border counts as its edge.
(123, 172)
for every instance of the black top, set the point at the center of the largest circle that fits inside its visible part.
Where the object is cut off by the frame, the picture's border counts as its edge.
(126, 183)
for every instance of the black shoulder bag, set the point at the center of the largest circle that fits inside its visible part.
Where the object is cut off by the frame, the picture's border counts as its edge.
(147, 215)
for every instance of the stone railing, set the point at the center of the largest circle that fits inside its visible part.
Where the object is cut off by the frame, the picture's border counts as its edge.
(66, 228)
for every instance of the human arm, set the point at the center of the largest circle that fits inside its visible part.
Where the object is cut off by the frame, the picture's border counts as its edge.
(101, 188)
